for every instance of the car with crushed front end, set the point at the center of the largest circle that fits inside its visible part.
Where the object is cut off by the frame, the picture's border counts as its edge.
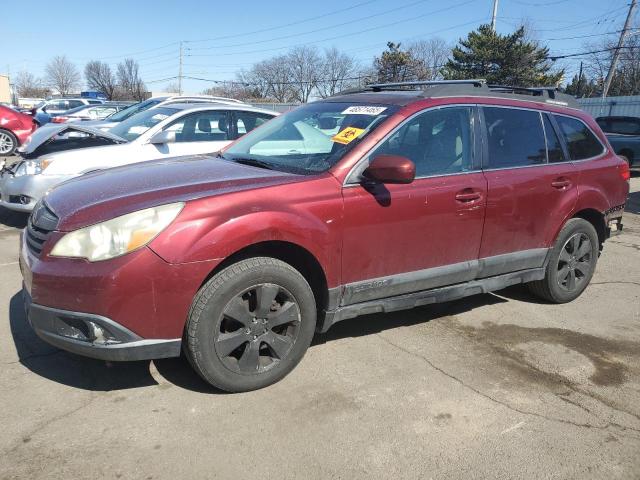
(427, 193)
(56, 153)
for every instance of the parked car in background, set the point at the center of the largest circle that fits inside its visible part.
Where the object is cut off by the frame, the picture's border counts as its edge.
(116, 118)
(90, 112)
(15, 127)
(424, 195)
(55, 153)
(624, 136)
(43, 112)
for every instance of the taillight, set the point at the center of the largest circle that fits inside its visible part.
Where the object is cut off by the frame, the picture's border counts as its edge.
(59, 119)
(625, 171)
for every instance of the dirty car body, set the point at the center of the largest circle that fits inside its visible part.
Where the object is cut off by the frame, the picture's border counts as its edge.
(422, 196)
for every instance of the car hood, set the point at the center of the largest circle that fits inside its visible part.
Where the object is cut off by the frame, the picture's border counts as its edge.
(46, 133)
(100, 196)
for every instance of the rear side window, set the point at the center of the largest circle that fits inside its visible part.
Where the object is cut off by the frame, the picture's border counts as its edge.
(554, 148)
(581, 143)
(75, 103)
(515, 137)
(625, 127)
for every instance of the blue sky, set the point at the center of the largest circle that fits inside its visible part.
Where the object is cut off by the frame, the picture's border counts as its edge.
(222, 37)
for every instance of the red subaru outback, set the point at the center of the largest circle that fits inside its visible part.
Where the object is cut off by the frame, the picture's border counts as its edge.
(370, 201)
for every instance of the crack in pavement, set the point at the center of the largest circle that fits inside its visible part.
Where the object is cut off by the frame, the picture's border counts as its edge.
(504, 404)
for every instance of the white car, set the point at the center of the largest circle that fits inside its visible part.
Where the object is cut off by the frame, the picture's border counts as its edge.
(166, 131)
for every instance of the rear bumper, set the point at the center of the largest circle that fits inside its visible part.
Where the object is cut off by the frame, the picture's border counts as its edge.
(94, 336)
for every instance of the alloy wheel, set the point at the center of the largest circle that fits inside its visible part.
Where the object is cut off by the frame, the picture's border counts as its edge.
(575, 262)
(258, 329)
(6, 143)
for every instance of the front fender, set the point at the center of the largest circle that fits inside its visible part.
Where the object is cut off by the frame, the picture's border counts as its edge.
(218, 227)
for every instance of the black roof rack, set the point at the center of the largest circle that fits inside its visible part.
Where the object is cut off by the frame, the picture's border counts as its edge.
(473, 87)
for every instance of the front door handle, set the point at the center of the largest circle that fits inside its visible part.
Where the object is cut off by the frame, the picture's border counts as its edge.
(561, 183)
(468, 195)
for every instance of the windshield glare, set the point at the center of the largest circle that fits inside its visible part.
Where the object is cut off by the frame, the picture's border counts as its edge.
(132, 110)
(135, 126)
(312, 138)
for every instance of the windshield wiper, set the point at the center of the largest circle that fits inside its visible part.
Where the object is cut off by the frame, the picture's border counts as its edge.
(253, 162)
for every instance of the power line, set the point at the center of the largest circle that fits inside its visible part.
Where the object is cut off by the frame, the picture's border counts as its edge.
(270, 29)
(294, 35)
(378, 27)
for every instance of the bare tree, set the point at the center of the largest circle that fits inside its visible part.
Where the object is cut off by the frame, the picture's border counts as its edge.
(28, 85)
(304, 65)
(172, 87)
(272, 77)
(99, 76)
(429, 56)
(339, 71)
(129, 79)
(62, 75)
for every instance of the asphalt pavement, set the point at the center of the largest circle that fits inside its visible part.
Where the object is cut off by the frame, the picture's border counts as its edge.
(493, 386)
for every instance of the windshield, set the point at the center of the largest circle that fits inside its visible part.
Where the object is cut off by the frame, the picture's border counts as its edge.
(135, 126)
(133, 109)
(309, 139)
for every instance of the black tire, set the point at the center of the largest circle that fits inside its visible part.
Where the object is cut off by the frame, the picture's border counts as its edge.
(263, 305)
(579, 266)
(627, 157)
(8, 143)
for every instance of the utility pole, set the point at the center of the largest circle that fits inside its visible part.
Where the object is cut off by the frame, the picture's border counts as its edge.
(579, 92)
(180, 72)
(495, 14)
(616, 52)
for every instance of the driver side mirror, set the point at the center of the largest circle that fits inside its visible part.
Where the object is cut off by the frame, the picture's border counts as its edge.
(163, 137)
(390, 169)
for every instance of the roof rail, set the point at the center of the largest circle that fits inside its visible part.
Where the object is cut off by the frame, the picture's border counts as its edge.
(200, 99)
(377, 87)
(473, 87)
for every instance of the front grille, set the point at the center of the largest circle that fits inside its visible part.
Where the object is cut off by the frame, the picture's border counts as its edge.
(40, 225)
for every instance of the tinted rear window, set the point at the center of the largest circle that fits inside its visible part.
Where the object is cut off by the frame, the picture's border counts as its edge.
(515, 137)
(581, 142)
(625, 127)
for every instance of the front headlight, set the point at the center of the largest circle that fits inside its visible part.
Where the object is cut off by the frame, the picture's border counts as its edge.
(28, 168)
(117, 236)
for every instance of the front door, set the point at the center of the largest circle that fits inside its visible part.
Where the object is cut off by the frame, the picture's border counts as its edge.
(406, 238)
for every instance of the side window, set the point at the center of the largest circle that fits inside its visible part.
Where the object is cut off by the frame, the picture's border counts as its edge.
(515, 137)
(75, 103)
(247, 121)
(554, 148)
(581, 143)
(438, 141)
(207, 126)
(625, 127)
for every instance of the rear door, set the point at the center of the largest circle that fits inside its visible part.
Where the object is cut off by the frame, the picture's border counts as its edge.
(200, 132)
(406, 238)
(532, 188)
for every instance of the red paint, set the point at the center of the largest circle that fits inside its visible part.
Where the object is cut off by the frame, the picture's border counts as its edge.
(20, 124)
(355, 232)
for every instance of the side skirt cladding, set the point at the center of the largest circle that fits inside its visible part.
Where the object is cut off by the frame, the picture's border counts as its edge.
(436, 295)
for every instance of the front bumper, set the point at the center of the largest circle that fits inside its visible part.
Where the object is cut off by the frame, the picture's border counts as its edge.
(22, 193)
(94, 336)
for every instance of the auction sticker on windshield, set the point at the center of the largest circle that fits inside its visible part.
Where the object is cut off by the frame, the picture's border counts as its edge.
(364, 110)
(347, 135)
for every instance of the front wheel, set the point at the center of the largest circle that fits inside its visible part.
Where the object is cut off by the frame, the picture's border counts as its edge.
(572, 263)
(250, 325)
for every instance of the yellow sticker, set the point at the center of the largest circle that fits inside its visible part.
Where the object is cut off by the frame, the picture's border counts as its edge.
(347, 135)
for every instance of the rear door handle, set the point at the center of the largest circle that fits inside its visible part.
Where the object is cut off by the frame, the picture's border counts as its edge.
(468, 195)
(561, 183)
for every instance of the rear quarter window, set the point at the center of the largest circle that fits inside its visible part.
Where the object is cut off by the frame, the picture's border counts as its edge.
(581, 142)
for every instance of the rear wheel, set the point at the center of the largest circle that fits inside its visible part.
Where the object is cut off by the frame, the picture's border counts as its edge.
(8, 142)
(250, 325)
(571, 264)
